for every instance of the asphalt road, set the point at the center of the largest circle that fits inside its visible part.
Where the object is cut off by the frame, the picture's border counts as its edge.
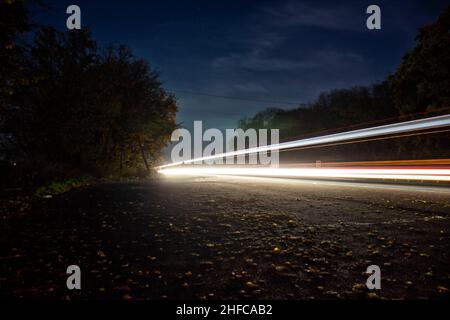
(231, 238)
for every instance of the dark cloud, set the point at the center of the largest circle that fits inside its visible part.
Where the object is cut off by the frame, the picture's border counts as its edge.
(331, 16)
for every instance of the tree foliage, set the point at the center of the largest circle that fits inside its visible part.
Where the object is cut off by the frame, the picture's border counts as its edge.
(104, 110)
(13, 23)
(331, 110)
(422, 81)
(78, 106)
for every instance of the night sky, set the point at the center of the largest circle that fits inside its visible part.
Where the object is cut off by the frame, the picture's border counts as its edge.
(273, 53)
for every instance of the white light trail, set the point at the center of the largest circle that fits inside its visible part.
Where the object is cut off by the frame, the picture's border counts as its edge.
(347, 173)
(408, 126)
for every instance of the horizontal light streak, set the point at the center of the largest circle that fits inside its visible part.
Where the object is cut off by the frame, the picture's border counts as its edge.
(376, 163)
(341, 173)
(407, 126)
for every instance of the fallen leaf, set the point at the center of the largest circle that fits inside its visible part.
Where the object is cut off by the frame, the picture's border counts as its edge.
(442, 289)
(250, 284)
(100, 253)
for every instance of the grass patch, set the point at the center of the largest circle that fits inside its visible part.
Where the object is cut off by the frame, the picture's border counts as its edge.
(58, 187)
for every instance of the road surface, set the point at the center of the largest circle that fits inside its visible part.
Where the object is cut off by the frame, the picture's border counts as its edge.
(231, 238)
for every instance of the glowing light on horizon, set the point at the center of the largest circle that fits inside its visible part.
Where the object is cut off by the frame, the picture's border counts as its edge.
(341, 173)
(401, 127)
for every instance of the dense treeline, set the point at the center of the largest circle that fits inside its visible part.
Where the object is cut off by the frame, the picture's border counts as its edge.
(68, 107)
(331, 110)
(419, 87)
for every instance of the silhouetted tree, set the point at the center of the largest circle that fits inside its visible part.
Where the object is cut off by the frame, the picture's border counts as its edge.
(13, 23)
(332, 111)
(422, 81)
(92, 110)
